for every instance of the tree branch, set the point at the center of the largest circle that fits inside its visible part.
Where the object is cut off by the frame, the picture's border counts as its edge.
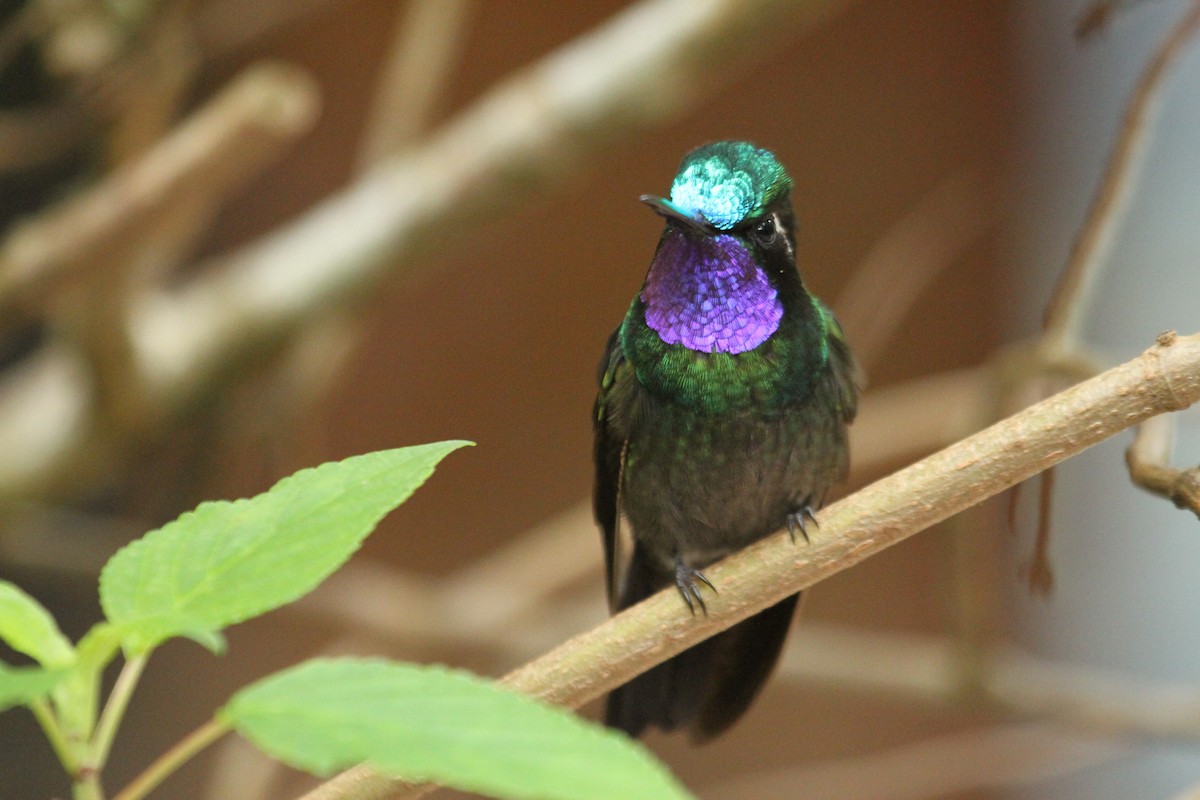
(482, 604)
(1164, 378)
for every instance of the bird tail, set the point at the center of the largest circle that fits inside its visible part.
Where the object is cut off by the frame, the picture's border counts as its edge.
(706, 688)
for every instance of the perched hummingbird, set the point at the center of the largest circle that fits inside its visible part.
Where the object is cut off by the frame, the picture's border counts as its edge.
(724, 399)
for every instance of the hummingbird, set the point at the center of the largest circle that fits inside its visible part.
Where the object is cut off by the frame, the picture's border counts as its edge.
(721, 417)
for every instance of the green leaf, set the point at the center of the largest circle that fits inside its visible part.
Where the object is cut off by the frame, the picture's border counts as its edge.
(27, 627)
(228, 561)
(22, 685)
(452, 728)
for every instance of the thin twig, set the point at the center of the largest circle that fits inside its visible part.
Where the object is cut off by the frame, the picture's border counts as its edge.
(166, 764)
(1065, 315)
(1038, 571)
(114, 712)
(1164, 378)
(52, 728)
(1149, 461)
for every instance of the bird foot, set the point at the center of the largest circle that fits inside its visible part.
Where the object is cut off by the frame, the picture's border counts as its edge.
(688, 580)
(798, 521)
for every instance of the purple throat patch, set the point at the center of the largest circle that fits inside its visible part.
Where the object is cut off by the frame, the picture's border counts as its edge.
(707, 294)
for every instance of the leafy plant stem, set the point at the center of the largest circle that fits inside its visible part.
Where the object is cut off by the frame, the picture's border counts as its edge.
(173, 759)
(46, 717)
(114, 711)
(87, 787)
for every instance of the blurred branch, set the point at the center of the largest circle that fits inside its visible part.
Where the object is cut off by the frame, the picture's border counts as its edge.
(68, 542)
(929, 669)
(426, 43)
(1064, 317)
(108, 242)
(997, 757)
(44, 408)
(1096, 18)
(97, 250)
(647, 63)
(1164, 378)
(217, 149)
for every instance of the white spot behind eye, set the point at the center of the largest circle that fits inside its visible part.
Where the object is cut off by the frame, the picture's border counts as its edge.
(786, 239)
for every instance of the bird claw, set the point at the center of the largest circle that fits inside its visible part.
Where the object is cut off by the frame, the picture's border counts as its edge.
(798, 521)
(688, 580)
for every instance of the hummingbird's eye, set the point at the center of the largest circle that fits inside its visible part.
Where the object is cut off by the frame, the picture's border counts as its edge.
(766, 232)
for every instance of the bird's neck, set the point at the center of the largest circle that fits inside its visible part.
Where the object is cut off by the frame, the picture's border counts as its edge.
(708, 294)
(775, 350)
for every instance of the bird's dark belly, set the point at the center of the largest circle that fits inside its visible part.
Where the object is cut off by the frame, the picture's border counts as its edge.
(701, 486)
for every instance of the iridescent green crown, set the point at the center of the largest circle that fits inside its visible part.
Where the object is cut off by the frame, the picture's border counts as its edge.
(728, 182)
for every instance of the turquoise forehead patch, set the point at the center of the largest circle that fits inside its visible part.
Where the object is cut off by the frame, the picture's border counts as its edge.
(727, 181)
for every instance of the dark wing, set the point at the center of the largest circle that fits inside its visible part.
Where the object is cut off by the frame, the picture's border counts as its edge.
(610, 420)
(844, 373)
(838, 389)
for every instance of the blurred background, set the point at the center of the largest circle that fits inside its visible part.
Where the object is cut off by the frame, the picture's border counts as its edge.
(241, 239)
